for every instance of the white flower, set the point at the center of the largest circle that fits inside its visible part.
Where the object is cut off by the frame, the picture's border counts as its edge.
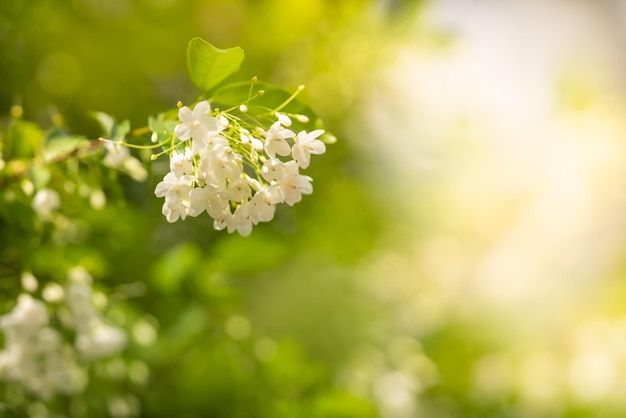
(257, 144)
(275, 140)
(222, 163)
(172, 214)
(197, 124)
(239, 190)
(239, 221)
(135, 169)
(263, 205)
(174, 189)
(283, 119)
(273, 169)
(29, 314)
(242, 220)
(180, 163)
(293, 185)
(118, 157)
(46, 201)
(306, 144)
(100, 340)
(208, 198)
(116, 154)
(78, 300)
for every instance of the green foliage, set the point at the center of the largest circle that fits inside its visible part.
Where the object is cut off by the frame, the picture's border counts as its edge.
(111, 129)
(208, 65)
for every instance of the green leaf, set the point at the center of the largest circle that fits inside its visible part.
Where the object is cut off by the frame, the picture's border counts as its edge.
(209, 65)
(62, 145)
(110, 127)
(172, 268)
(23, 140)
(234, 94)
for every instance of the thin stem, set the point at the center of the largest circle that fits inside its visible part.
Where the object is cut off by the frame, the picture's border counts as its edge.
(290, 99)
(126, 144)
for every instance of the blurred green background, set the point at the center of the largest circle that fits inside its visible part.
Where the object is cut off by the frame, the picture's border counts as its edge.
(462, 254)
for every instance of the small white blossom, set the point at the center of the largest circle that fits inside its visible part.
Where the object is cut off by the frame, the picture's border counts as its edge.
(283, 119)
(262, 206)
(29, 281)
(45, 202)
(293, 185)
(135, 169)
(100, 340)
(29, 314)
(239, 221)
(116, 154)
(239, 190)
(306, 144)
(208, 198)
(118, 157)
(175, 190)
(273, 169)
(275, 142)
(172, 214)
(197, 124)
(180, 163)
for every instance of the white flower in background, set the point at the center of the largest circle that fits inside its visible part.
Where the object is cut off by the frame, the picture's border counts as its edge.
(29, 314)
(230, 173)
(116, 154)
(53, 293)
(118, 157)
(45, 202)
(94, 338)
(134, 169)
(100, 340)
(29, 281)
(306, 144)
(35, 355)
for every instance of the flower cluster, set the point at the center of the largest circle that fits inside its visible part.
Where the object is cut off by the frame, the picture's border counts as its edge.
(37, 356)
(234, 170)
(94, 338)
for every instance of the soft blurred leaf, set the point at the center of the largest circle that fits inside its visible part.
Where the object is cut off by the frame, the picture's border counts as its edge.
(59, 146)
(209, 65)
(111, 129)
(173, 267)
(22, 140)
(262, 252)
(40, 176)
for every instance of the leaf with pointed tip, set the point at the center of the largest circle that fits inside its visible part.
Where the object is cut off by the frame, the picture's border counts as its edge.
(208, 65)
